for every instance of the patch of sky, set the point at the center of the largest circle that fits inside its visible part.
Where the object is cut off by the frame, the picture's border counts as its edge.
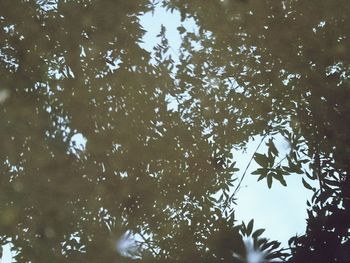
(280, 210)
(123, 174)
(127, 245)
(320, 25)
(72, 244)
(10, 29)
(335, 68)
(288, 76)
(62, 122)
(8, 60)
(113, 63)
(152, 23)
(47, 5)
(55, 70)
(77, 143)
(7, 253)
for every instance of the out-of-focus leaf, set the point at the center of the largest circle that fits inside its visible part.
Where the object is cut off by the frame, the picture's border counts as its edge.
(181, 29)
(250, 227)
(258, 233)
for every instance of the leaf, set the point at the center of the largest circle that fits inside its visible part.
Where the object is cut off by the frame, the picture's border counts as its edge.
(250, 227)
(261, 177)
(258, 232)
(288, 169)
(261, 159)
(283, 172)
(332, 182)
(312, 177)
(271, 159)
(294, 168)
(306, 185)
(282, 181)
(221, 198)
(211, 199)
(279, 176)
(298, 170)
(260, 171)
(272, 147)
(181, 29)
(269, 180)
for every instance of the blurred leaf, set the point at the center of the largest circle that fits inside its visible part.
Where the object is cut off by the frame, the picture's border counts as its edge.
(181, 29)
(250, 227)
(258, 233)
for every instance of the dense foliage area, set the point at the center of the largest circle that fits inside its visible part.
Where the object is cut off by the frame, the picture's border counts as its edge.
(158, 162)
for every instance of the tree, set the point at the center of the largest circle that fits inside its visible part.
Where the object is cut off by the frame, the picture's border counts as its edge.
(291, 59)
(164, 174)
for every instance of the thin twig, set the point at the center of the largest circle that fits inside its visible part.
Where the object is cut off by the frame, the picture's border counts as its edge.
(280, 161)
(148, 244)
(244, 173)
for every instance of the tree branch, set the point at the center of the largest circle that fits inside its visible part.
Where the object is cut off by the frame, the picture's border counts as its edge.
(244, 173)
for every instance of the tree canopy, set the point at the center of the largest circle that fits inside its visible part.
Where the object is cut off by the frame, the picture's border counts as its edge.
(158, 162)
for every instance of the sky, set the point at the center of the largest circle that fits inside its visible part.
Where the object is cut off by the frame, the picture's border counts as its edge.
(280, 210)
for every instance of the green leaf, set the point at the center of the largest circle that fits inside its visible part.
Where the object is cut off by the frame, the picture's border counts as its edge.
(269, 180)
(271, 159)
(261, 177)
(260, 171)
(250, 227)
(288, 169)
(282, 181)
(258, 232)
(284, 172)
(306, 185)
(312, 177)
(279, 176)
(261, 159)
(272, 147)
(297, 169)
(234, 169)
(181, 29)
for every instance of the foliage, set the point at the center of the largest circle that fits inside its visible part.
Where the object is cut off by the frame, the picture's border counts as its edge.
(160, 172)
(290, 58)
